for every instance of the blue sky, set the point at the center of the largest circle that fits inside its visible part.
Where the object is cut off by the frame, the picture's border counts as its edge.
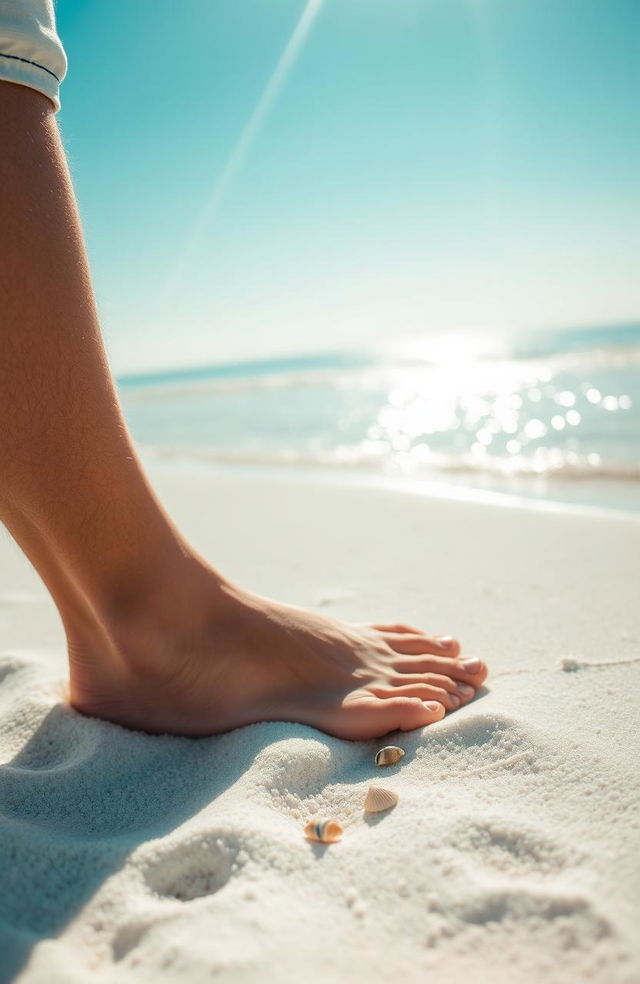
(426, 164)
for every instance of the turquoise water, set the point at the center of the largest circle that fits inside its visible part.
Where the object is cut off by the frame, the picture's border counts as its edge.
(552, 415)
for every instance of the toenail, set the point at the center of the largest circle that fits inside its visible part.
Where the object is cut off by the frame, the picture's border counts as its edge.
(471, 665)
(445, 641)
(433, 706)
(455, 701)
(465, 689)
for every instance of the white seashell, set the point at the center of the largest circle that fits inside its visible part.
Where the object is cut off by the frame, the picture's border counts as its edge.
(379, 799)
(325, 831)
(389, 755)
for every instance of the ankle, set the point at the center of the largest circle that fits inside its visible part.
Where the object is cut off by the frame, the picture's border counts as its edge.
(142, 619)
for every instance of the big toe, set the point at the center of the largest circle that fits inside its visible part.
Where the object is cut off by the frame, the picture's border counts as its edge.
(371, 717)
(418, 643)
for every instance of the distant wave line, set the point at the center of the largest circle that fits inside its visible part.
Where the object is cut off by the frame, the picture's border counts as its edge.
(333, 460)
(296, 371)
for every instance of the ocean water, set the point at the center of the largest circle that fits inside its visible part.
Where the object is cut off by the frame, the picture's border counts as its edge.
(549, 415)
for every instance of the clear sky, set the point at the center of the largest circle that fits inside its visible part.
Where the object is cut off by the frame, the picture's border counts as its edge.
(415, 164)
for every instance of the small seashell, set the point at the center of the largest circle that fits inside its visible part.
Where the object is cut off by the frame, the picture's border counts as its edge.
(389, 755)
(325, 831)
(379, 799)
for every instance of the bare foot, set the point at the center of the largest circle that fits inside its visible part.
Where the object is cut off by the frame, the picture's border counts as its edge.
(238, 658)
(157, 639)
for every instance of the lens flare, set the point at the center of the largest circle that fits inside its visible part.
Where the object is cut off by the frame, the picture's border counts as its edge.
(243, 146)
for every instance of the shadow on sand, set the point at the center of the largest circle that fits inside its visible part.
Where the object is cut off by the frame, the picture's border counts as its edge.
(80, 796)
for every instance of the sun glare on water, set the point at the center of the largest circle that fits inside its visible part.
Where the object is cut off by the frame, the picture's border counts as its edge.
(460, 400)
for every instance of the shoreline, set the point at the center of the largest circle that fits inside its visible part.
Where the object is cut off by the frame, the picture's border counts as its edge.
(161, 460)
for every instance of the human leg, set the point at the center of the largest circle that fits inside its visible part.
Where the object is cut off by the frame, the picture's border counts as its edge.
(158, 639)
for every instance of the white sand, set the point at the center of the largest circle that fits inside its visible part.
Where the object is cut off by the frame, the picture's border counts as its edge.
(514, 853)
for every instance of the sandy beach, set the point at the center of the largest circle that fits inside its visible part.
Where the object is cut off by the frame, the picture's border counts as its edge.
(513, 854)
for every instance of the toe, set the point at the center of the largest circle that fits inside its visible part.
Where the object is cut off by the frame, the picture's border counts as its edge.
(417, 644)
(396, 627)
(455, 688)
(450, 699)
(371, 717)
(469, 670)
(463, 692)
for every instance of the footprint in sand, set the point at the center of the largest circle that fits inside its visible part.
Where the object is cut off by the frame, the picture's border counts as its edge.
(193, 869)
(516, 851)
(570, 919)
(297, 769)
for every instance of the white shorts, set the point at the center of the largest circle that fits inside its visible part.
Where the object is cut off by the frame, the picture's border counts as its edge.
(30, 50)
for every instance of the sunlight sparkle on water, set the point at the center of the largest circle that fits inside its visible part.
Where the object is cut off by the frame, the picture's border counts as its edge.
(481, 402)
(450, 348)
(458, 403)
(566, 398)
(535, 429)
